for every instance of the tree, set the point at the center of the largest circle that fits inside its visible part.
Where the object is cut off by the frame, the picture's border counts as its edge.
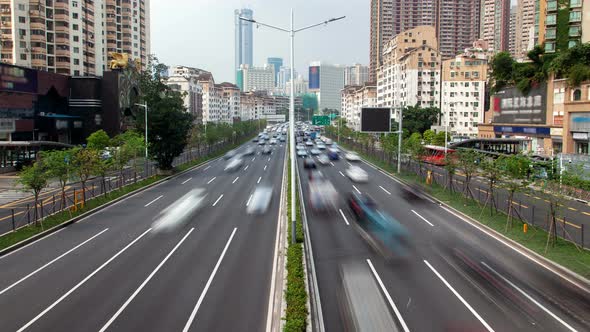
(501, 67)
(389, 145)
(573, 64)
(468, 160)
(451, 168)
(428, 136)
(418, 119)
(439, 138)
(491, 170)
(130, 146)
(98, 140)
(34, 178)
(85, 163)
(58, 165)
(515, 170)
(413, 145)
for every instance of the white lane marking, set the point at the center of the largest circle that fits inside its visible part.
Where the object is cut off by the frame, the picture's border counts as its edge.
(428, 222)
(530, 298)
(212, 180)
(344, 217)
(355, 188)
(331, 163)
(260, 178)
(349, 164)
(82, 282)
(459, 297)
(249, 199)
(341, 173)
(268, 158)
(150, 203)
(385, 190)
(253, 158)
(245, 168)
(236, 179)
(265, 167)
(51, 262)
(220, 197)
(206, 168)
(393, 306)
(194, 312)
(106, 326)
(187, 180)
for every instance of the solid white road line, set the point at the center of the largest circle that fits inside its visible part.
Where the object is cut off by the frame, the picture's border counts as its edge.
(393, 306)
(206, 168)
(388, 193)
(355, 188)
(428, 222)
(212, 180)
(194, 313)
(530, 298)
(245, 168)
(220, 197)
(82, 282)
(265, 166)
(268, 158)
(150, 203)
(249, 199)
(341, 173)
(331, 163)
(253, 158)
(260, 178)
(51, 262)
(343, 216)
(106, 326)
(236, 179)
(187, 180)
(489, 328)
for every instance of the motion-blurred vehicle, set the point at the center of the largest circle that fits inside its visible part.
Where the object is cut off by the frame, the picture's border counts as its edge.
(273, 141)
(179, 212)
(323, 159)
(262, 142)
(255, 140)
(352, 156)
(282, 138)
(266, 150)
(322, 194)
(387, 231)
(333, 154)
(321, 146)
(309, 164)
(234, 164)
(309, 143)
(300, 147)
(356, 174)
(260, 200)
(229, 154)
(315, 152)
(301, 153)
(329, 141)
(249, 151)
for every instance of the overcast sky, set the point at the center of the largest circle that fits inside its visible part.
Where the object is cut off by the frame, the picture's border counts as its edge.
(200, 33)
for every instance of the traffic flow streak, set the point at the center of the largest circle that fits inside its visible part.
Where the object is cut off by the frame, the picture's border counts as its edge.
(483, 277)
(116, 271)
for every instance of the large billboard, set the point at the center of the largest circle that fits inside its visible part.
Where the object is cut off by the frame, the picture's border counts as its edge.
(314, 77)
(512, 107)
(375, 120)
(17, 79)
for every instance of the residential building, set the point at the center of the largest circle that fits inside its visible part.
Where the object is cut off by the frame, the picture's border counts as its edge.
(284, 76)
(326, 81)
(229, 102)
(512, 31)
(463, 94)
(277, 63)
(244, 41)
(185, 71)
(256, 78)
(571, 117)
(410, 74)
(356, 74)
(495, 24)
(193, 94)
(381, 31)
(211, 99)
(72, 37)
(524, 28)
(457, 25)
(578, 24)
(300, 86)
(354, 98)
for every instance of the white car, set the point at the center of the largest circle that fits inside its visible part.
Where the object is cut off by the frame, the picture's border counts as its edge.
(351, 156)
(357, 174)
(321, 146)
(234, 164)
(323, 159)
(302, 153)
(260, 200)
(309, 143)
(315, 152)
(273, 141)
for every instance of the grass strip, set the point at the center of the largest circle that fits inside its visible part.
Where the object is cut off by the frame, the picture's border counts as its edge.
(296, 292)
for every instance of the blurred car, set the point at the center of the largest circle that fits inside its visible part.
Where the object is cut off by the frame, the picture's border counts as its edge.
(301, 153)
(323, 159)
(282, 138)
(309, 164)
(356, 174)
(322, 194)
(260, 200)
(333, 154)
(234, 164)
(262, 142)
(329, 141)
(255, 140)
(315, 152)
(352, 156)
(229, 154)
(321, 146)
(266, 150)
(180, 211)
(300, 147)
(273, 141)
(309, 143)
(249, 151)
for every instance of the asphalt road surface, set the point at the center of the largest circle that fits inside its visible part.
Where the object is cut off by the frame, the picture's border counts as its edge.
(113, 271)
(455, 277)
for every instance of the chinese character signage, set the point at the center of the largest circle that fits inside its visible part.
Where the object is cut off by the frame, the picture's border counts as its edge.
(511, 106)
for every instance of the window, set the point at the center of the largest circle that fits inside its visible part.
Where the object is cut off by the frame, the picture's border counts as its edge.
(551, 33)
(572, 43)
(419, 64)
(551, 19)
(476, 104)
(23, 44)
(467, 74)
(476, 84)
(575, 16)
(75, 27)
(75, 15)
(74, 3)
(76, 38)
(476, 94)
(23, 56)
(550, 47)
(475, 74)
(76, 73)
(21, 19)
(574, 31)
(466, 84)
(577, 95)
(21, 6)
(76, 50)
(575, 3)
(22, 32)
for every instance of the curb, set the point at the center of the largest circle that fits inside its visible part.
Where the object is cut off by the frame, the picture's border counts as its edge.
(74, 220)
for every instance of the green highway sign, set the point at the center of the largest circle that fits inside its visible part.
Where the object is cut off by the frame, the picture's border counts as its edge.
(321, 120)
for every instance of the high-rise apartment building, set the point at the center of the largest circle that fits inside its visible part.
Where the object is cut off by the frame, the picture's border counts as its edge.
(326, 81)
(354, 98)
(495, 24)
(524, 33)
(381, 32)
(512, 31)
(277, 63)
(457, 25)
(256, 78)
(72, 37)
(576, 31)
(243, 38)
(356, 74)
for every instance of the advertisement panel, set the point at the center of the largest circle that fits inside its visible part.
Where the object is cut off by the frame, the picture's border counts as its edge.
(511, 106)
(375, 120)
(17, 79)
(314, 77)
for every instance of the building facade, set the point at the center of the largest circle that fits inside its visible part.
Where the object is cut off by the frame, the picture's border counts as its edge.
(354, 98)
(524, 28)
(256, 78)
(495, 24)
(381, 31)
(244, 40)
(300, 87)
(326, 81)
(186, 80)
(457, 25)
(277, 63)
(512, 32)
(577, 29)
(356, 74)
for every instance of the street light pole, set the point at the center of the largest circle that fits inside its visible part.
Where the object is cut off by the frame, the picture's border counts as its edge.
(145, 107)
(399, 141)
(446, 134)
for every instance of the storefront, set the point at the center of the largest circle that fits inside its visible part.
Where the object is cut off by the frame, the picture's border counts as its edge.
(580, 131)
(539, 138)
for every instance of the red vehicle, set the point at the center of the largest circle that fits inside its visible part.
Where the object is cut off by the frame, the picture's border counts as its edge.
(436, 154)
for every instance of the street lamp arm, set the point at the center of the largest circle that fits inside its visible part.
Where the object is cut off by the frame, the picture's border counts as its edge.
(263, 24)
(321, 23)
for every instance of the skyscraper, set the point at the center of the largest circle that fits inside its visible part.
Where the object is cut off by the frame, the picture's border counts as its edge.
(524, 29)
(356, 74)
(457, 25)
(512, 35)
(243, 38)
(277, 63)
(381, 32)
(495, 24)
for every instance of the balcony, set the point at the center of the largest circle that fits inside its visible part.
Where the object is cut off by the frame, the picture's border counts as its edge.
(38, 38)
(62, 40)
(61, 17)
(65, 65)
(38, 25)
(62, 29)
(61, 4)
(38, 63)
(551, 6)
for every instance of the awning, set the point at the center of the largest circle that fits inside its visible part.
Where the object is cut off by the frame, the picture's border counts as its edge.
(61, 116)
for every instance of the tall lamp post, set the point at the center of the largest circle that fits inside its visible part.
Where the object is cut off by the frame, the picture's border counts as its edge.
(399, 140)
(145, 107)
(292, 32)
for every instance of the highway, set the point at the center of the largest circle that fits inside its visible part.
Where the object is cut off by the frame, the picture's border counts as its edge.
(456, 276)
(115, 271)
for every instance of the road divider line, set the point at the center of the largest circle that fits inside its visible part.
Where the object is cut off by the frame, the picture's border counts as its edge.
(106, 326)
(236, 179)
(206, 168)
(212, 180)
(73, 289)
(388, 193)
(331, 163)
(344, 217)
(428, 222)
(483, 322)
(253, 158)
(245, 168)
(355, 188)
(530, 298)
(187, 180)
(265, 166)
(150, 203)
(196, 309)
(260, 178)
(51, 262)
(268, 158)
(384, 290)
(249, 199)
(217, 201)
(341, 173)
